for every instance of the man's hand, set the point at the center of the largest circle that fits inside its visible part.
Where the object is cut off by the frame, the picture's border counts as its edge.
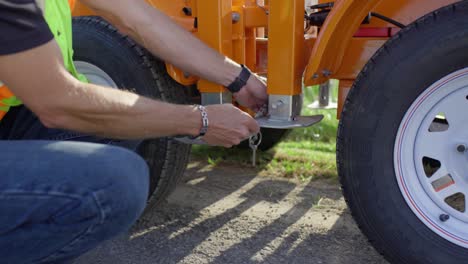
(228, 126)
(254, 94)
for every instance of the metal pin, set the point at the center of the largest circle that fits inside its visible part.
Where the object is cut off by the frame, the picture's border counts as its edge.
(254, 142)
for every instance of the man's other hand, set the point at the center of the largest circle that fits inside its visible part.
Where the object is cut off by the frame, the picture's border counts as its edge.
(228, 126)
(254, 94)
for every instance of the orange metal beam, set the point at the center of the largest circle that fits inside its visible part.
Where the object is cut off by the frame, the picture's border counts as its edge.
(358, 53)
(343, 90)
(238, 34)
(255, 16)
(286, 47)
(215, 29)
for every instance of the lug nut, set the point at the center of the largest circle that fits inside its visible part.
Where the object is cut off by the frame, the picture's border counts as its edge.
(461, 148)
(444, 217)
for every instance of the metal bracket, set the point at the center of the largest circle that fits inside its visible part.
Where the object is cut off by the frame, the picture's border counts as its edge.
(216, 98)
(284, 107)
(297, 122)
(283, 113)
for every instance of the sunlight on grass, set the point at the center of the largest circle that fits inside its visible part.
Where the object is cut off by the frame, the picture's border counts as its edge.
(306, 153)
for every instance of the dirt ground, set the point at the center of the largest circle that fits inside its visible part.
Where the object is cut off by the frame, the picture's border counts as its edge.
(231, 215)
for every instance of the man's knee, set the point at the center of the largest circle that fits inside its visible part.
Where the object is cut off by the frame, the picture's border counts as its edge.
(115, 182)
(94, 192)
(128, 185)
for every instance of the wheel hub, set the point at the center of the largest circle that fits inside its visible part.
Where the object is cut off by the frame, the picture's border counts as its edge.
(94, 74)
(431, 157)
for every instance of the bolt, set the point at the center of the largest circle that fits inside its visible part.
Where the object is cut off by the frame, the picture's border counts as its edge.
(278, 104)
(235, 17)
(315, 76)
(187, 11)
(444, 217)
(461, 148)
(326, 73)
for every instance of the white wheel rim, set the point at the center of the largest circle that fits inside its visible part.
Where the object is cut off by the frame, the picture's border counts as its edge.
(424, 140)
(94, 74)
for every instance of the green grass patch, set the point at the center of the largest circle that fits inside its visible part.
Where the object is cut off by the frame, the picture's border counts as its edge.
(307, 153)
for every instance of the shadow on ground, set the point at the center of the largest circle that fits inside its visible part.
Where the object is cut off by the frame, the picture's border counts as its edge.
(229, 215)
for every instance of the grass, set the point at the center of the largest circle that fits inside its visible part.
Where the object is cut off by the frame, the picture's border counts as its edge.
(307, 153)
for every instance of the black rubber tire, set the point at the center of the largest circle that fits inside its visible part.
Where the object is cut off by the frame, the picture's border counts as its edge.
(421, 54)
(131, 67)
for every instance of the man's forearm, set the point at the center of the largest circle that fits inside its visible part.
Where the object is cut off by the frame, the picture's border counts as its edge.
(179, 47)
(38, 77)
(118, 114)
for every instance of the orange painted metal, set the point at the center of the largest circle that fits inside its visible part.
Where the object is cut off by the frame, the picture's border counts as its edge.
(171, 8)
(358, 53)
(262, 56)
(255, 16)
(181, 77)
(405, 11)
(250, 35)
(262, 53)
(174, 9)
(82, 10)
(215, 29)
(331, 39)
(238, 34)
(72, 3)
(286, 47)
(250, 48)
(343, 90)
(335, 51)
(335, 35)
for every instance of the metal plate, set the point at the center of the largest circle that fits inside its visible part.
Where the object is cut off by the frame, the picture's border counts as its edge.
(298, 122)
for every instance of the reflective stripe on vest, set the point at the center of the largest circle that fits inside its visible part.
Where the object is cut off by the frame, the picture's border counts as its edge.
(57, 13)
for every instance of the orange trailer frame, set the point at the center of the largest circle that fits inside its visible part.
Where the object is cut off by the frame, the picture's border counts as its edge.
(288, 57)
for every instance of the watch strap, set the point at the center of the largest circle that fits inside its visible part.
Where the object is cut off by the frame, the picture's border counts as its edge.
(240, 80)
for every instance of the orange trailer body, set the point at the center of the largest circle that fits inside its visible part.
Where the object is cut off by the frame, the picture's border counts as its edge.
(341, 49)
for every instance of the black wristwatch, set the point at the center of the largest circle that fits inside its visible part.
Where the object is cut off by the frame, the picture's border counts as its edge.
(240, 80)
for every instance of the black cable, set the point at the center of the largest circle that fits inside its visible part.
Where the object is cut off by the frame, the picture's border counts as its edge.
(323, 6)
(387, 19)
(322, 15)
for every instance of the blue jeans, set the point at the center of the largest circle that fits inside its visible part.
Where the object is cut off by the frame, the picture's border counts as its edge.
(59, 199)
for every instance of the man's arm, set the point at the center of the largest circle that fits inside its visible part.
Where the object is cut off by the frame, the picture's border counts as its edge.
(38, 77)
(170, 42)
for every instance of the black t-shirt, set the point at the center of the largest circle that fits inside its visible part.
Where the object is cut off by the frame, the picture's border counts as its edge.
(22, 26)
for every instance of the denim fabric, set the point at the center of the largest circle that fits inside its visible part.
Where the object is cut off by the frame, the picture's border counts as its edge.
(59, 199)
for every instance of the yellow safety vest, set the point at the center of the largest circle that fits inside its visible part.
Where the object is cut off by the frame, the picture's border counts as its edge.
(57, 13)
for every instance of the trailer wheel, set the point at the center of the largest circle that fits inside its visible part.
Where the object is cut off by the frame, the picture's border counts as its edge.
(108, 58)
(402, 143)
